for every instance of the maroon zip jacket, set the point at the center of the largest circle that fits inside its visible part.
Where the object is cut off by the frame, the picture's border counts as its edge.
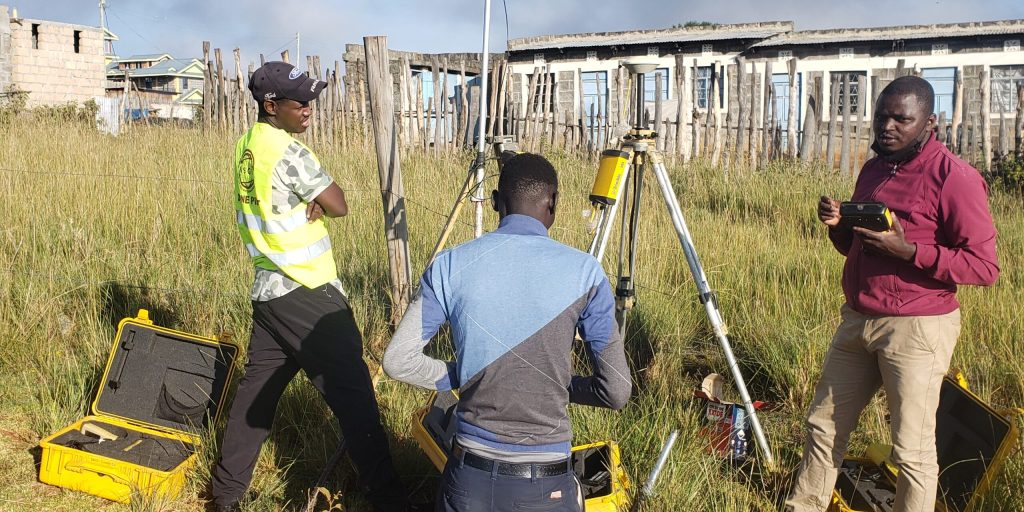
(942, 203)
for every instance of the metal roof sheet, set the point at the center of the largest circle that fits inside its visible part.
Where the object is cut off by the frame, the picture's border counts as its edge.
(853, 35)
(640, 37)
(162, 68)
(146, 57)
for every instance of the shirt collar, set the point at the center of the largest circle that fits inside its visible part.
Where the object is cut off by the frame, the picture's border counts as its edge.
(518, 224)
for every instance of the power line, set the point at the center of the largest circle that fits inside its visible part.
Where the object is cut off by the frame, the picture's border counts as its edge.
(136, 32)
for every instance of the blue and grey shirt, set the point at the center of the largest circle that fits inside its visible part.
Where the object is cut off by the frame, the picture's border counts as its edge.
(514, 299)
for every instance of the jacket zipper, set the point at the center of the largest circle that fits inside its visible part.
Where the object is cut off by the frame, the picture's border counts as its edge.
(892, 173)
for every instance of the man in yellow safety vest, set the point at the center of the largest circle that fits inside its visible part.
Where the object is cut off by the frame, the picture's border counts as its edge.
(301, 318)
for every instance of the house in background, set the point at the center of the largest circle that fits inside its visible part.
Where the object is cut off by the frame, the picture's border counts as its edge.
(941, 54)
(160, 84)
(585, 69)
(55, 63)
(108, 45)
(590, 61)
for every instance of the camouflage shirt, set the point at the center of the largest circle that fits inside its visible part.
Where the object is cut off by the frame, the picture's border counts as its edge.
(297, 179)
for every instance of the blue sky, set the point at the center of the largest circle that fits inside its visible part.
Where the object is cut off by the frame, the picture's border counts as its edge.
(265, 26)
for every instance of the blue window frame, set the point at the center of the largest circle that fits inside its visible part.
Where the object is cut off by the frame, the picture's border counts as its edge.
(650, 82)
(595, 92)
(780, 90)
(704, 85)
(943, 82)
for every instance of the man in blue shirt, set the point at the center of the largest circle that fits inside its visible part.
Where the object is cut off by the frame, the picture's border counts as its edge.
(514, 300)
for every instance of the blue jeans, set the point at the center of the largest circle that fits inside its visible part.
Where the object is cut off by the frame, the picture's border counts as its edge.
(468, 489)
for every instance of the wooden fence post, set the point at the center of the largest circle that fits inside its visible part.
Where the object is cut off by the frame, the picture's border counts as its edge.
(389, 171)
(752, 124)
(833, 118)
(207, 87)
(741, 123)
(876, 89)
(859, 127)
(503, 89)
(810, 124)
(958, 113)
(1003, 144)
(844, 149)
(768, 109)
(710, 124)
(492, 101)
(681, 98)
(242, 114)
(443, 117)
(986, 121)
(463, 103)
(1018, 125)
(791, 116)
(222, 97)
(719, 80)
(659, 143)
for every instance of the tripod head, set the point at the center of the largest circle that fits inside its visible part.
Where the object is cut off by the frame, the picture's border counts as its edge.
(638, 69)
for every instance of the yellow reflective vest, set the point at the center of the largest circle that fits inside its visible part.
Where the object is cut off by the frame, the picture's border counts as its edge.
(285, 241)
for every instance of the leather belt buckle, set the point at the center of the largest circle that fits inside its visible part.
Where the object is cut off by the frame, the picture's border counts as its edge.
(521, 470)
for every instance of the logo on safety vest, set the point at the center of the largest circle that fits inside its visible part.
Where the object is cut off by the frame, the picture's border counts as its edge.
(245, 171)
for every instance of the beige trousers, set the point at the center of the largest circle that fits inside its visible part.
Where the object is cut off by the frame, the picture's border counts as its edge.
(908, 356)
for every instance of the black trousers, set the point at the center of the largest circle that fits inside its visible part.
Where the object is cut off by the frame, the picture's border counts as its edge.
(468, 489)
(312, 330)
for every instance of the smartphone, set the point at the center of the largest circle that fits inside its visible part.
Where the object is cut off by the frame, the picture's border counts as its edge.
(869, 215)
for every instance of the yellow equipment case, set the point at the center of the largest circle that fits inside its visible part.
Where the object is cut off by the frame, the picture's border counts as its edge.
(597, 465)
(973, 442)
(159, 390)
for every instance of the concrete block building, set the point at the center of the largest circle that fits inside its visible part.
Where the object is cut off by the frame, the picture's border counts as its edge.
(587, 74)
(55, 63)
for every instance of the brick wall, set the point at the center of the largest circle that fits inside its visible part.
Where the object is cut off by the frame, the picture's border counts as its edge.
(47, 66)
(5, 49)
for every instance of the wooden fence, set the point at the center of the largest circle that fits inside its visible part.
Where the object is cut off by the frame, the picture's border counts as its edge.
(749, 133)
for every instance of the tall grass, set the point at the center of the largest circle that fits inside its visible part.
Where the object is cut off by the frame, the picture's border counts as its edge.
(95, 227)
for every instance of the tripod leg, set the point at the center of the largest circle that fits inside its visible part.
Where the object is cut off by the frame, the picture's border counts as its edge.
(707, 297)
(453, 216)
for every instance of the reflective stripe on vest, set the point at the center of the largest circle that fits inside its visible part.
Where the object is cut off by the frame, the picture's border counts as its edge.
(273, 227)
(283, 241)
(294, 257)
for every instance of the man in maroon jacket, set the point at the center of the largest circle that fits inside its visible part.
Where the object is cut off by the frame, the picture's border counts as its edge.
(901, 318)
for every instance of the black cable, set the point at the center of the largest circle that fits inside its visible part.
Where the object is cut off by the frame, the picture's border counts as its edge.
(504, 4)
(155, 47)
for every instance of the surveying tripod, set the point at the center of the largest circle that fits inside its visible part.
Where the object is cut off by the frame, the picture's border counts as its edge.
(637, 154)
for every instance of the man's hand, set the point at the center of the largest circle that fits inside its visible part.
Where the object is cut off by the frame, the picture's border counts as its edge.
(828, 211)
(313, 212)
(890, 243)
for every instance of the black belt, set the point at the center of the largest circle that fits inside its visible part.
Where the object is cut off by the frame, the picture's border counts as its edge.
(524, 470)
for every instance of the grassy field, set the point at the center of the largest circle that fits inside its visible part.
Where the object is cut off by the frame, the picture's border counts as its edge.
(95, 228)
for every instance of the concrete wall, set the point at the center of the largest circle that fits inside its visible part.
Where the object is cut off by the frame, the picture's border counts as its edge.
(53, 73)
(5, 49)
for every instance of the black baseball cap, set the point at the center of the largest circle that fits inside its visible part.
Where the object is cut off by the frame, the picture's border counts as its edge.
(278, 80)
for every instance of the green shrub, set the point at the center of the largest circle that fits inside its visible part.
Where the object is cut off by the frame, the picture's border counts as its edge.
(12, 103)
(1008, 173)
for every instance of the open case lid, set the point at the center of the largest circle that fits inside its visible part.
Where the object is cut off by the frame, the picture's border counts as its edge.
(973, 440)
(164, 378)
